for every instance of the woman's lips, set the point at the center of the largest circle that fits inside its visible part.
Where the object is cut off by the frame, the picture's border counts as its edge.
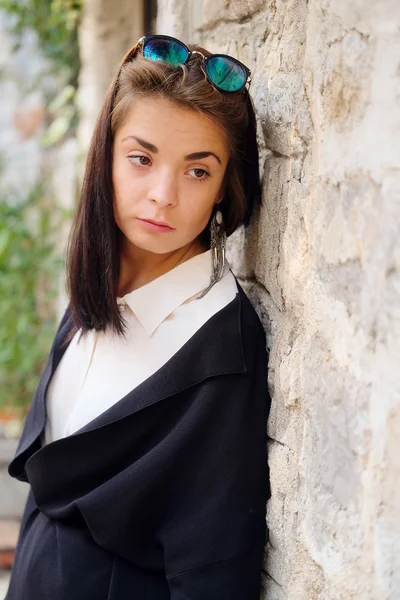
(154, 227)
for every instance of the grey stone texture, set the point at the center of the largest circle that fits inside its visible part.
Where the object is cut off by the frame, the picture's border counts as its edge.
(321, 263)
(4, 583)
(13, 493)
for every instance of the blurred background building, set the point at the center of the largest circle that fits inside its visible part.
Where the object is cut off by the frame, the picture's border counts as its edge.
(320, 261)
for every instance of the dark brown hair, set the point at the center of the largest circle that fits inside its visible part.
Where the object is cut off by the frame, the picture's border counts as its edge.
(93, 253)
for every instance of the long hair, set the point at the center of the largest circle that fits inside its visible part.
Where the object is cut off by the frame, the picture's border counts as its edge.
(92, 251)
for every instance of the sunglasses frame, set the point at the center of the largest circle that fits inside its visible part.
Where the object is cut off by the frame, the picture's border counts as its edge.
(147, 38)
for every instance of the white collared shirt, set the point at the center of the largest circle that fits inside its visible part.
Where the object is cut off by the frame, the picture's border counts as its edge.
(103, 367)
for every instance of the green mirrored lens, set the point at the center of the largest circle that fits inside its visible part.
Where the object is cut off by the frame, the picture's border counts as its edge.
(165, 50)
(226, 73)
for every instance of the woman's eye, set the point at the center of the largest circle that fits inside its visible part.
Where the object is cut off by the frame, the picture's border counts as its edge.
(200, 174)
(139, 160)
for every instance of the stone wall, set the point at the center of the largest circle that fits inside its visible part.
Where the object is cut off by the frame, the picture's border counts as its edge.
(321, 265)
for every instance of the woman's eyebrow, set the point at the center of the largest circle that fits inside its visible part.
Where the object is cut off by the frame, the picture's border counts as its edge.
(143, 143)
(198, 155)
(154, 149)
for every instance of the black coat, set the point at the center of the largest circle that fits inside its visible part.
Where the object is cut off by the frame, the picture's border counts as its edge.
(163, 495)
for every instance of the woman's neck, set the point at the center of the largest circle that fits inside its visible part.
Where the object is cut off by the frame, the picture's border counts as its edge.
(138, 267)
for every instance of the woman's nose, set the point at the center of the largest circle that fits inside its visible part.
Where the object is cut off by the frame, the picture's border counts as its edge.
(163, 189)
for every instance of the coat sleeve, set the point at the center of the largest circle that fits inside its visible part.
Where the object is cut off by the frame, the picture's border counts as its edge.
(213, 530)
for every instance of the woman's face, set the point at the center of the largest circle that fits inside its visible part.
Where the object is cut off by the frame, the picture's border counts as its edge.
(168, 166)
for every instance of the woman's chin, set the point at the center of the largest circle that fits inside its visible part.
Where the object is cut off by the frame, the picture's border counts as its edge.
(148, 243)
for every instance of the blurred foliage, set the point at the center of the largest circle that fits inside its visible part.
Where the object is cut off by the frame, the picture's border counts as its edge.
(29, 282)
(56, 25)
(63, 117)
(30, 266)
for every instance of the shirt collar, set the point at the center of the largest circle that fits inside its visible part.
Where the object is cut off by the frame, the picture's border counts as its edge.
(154, 301)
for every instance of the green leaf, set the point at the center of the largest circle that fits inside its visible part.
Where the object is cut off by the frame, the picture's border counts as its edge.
(4, 241)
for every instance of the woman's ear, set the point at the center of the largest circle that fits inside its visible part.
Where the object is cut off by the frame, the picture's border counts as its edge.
(223, 188)
(220, 196)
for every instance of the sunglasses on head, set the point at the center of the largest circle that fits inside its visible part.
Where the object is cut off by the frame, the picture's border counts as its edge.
(224, 72)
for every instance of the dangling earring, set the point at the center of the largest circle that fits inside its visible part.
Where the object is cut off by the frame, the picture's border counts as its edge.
(218, 248)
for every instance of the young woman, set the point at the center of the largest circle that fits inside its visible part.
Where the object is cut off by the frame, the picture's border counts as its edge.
(145, 444)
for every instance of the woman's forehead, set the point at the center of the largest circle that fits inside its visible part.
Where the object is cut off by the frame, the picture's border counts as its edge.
(163, 123)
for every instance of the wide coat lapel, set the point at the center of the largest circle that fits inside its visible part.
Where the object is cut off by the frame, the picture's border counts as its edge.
(215, 349)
